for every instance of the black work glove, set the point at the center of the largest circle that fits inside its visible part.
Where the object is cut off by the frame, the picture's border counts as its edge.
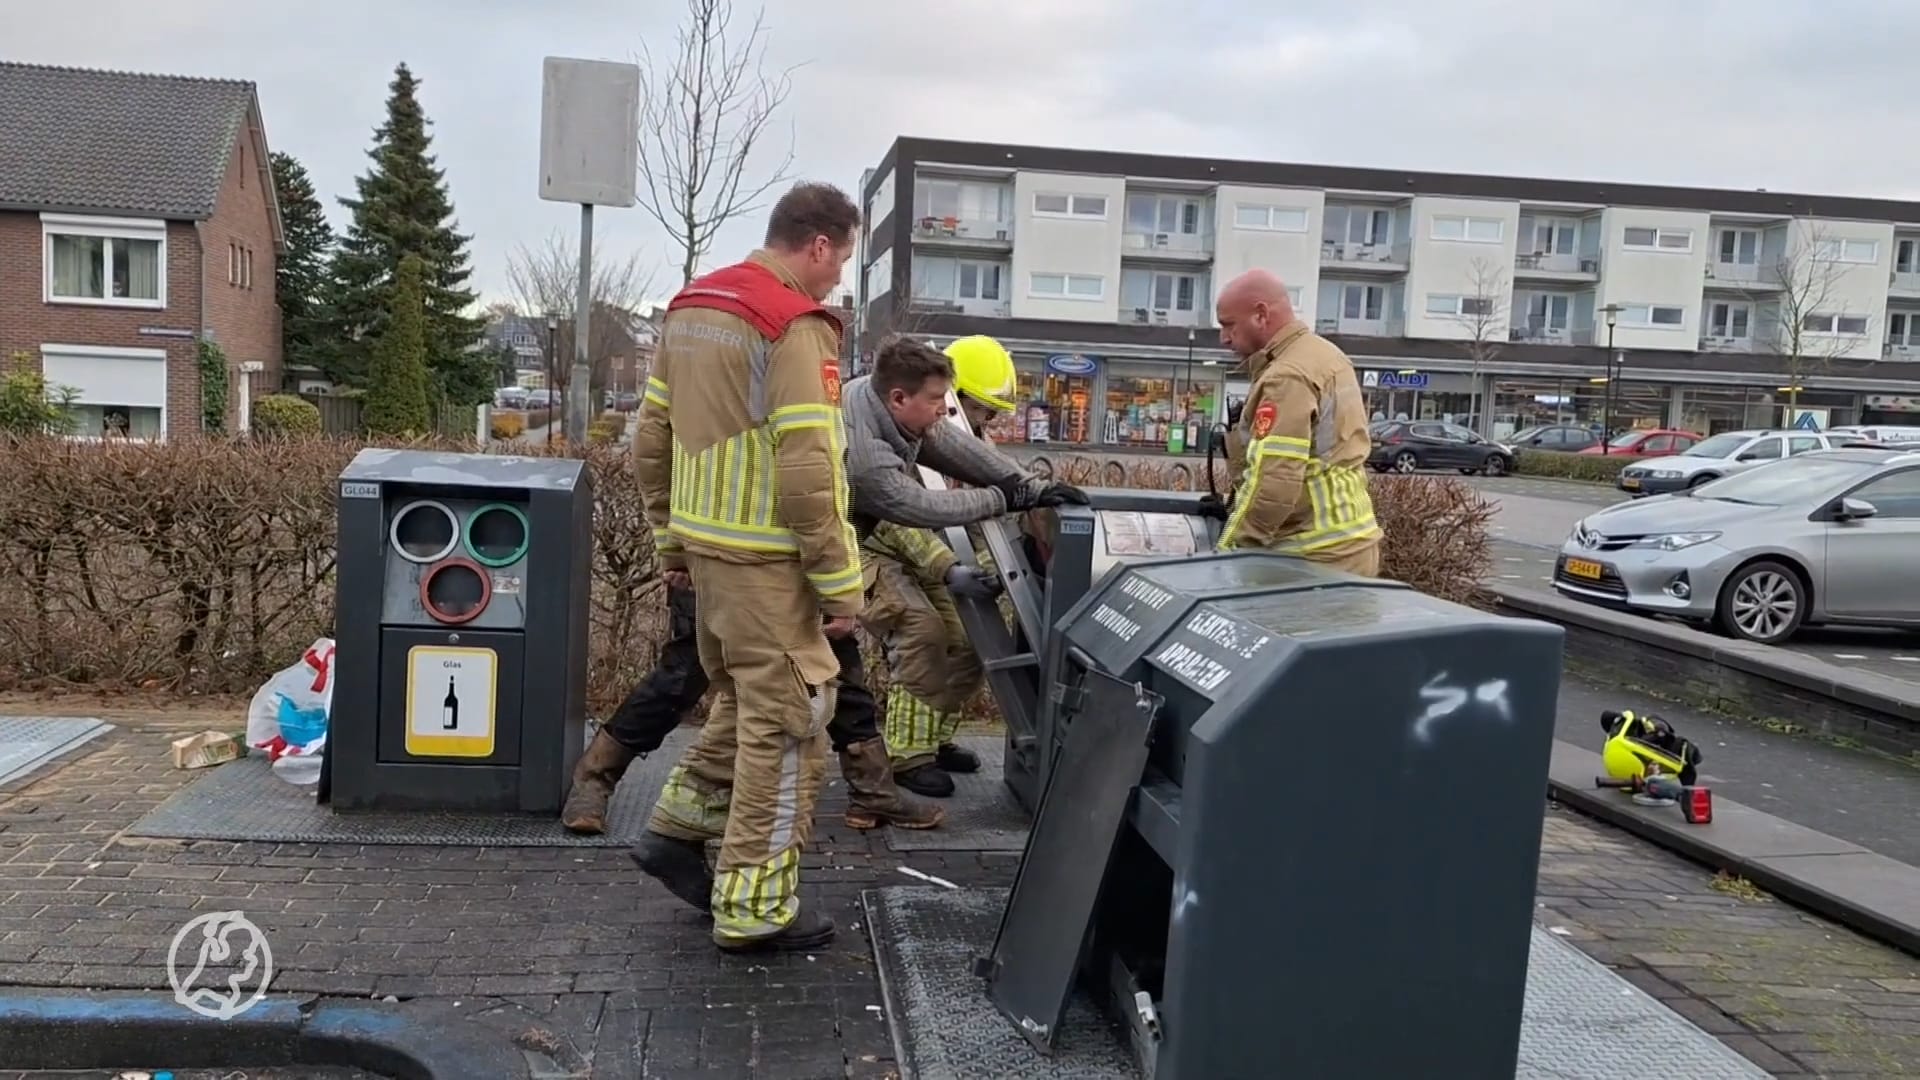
(1018, 493)
(1213, 506)
(972, 581)
(1058, 494)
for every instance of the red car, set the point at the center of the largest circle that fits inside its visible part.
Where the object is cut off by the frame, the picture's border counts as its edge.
(1652, 442)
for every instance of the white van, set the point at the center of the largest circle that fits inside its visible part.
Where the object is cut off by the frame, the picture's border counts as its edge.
(1888, 434)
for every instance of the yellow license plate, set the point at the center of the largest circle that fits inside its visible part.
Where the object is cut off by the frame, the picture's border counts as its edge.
(1583, 568)
(1629, 481)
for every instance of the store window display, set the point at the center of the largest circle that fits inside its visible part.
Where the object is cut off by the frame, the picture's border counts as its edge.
(1169, 413)
(1051, 407)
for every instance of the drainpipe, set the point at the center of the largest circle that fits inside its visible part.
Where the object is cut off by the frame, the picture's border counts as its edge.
(200, 325)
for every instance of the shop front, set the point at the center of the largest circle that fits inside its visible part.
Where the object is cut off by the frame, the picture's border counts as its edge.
(1082, 400)
(1412, 394)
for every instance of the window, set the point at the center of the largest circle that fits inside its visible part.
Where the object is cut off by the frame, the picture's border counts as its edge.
(1839, 325)
(1740, 247)
(880, 275)
(961, 200)
(1362, 301)
(1847, 251)
(1656, 316)
(1644, 238)
(1896, 495)
(1730, 320)
(110, 261)
(979, 281)
(1066, 286)
(1164, 214)
(1439, 304)
(117, 393)
(1763, 450)
(1906, 257)
(1270, 218)
(1549, 312)
(1550, 236)
(1064, 205)
(1657, 444)
(1296, 295)
(1356, 225)
(1161, 290)
(1801, 444)
(1469, 229)
(1903, 328)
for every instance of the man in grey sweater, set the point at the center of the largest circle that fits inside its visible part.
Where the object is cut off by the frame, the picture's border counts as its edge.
(897, 420)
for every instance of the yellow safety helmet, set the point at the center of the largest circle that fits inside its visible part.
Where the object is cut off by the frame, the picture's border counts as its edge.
(983, 370)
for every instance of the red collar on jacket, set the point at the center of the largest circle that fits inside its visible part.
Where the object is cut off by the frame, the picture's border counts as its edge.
(755, 293)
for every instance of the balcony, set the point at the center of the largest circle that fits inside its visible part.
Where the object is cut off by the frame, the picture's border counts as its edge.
(1722, 343)
(1364, 258)
(1741, 276)
(976, 234)
(1550, 266)
(1346, 327)
(1894, 350)
(1904, 283)
(1140, 316)
(1543, 332)
(1194, 247)
(979, 309)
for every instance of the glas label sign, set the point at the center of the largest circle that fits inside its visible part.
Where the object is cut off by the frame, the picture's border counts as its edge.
(450, 701)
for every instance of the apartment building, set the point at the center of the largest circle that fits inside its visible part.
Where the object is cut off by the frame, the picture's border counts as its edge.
(137, 220)
(1530, 301)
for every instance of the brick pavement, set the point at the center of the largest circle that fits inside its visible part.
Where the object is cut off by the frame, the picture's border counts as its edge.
(597, 972)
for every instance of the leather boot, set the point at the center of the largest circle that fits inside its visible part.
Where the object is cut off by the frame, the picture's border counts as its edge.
(956, 758)
(930, 780)
(873, 799)
(601, 766)
(679, 865)
(807, 932)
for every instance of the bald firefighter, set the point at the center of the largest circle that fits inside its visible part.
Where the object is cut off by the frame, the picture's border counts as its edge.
(1301, 439)
(738, 453)
(897, 420)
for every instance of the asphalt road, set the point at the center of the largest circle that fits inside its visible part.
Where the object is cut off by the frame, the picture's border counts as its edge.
(1536, 516)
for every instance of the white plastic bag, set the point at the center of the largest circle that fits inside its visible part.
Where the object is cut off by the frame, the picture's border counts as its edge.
(288, 716)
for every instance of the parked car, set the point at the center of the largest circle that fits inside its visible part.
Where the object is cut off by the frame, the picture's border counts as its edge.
(1411, 445)
(1721, 455)
(1564, 438)
(1654, 442)
(1881, 434)
(1824, 538)
(626, 401)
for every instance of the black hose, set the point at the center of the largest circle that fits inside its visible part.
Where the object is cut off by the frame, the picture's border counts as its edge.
(1216, 440)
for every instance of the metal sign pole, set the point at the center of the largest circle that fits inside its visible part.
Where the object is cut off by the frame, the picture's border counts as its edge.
(580, 383)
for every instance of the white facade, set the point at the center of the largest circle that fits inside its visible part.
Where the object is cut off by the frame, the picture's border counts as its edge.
(1271, 227)
(1460, 269)
(1072, 247)
(1652, 268)
(1066, 260)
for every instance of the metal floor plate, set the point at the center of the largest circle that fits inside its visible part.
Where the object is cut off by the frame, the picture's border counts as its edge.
(1583, 1022)
(28, 742)
(981, 813)
(243, 800)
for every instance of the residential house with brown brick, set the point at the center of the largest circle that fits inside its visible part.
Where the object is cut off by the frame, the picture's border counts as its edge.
(137, 219)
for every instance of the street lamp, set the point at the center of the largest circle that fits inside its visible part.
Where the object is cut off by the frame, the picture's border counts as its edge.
(553, 327)
(1612, 312)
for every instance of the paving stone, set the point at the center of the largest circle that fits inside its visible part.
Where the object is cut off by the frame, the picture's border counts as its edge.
(574, 942)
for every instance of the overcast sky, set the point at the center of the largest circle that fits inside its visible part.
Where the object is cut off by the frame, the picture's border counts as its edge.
(1790, 95)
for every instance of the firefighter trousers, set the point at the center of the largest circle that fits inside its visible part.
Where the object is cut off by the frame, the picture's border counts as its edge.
(932, 669)
(662, 700)
(754, 773)
(1364, 561)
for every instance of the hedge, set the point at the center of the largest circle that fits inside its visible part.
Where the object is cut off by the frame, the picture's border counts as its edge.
(278, 415)
(1598, 468)
(203, 566)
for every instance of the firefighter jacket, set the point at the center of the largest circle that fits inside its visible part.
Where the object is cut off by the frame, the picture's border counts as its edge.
(740, 443)
(883, 461)
(1302, 444)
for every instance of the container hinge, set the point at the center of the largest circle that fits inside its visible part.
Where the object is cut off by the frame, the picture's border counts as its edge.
(1034, 1028)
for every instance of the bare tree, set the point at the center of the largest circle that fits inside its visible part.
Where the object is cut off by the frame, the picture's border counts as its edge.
(709, 111)
(1483, 315)
(1798, 292)
(545, 280)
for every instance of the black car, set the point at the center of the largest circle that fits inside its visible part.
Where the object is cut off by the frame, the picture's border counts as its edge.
(1566, 438)
(1411, 445)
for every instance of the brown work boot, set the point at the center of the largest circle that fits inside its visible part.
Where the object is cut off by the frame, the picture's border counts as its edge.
(806, 933)
(594, 778)
(873, 799)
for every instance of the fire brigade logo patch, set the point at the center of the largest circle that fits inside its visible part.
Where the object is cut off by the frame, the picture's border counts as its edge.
(1263, 420)
(830, 380)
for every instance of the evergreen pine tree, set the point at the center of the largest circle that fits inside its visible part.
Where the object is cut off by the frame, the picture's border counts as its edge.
(398, 384)
(300, 276)
(403, 209)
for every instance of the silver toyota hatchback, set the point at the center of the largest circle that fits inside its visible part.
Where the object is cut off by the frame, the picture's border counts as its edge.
(1829, 537)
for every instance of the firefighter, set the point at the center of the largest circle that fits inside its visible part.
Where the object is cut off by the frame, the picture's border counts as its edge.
(738, 454)
(1300, 440)
(896, 421)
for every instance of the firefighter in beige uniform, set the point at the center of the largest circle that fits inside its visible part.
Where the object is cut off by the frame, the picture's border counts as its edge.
(739, 458)
(1302, 437)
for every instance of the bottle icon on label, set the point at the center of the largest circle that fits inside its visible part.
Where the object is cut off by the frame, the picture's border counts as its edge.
(450, 709)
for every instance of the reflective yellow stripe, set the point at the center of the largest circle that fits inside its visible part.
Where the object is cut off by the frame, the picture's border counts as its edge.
(1279, 446)
(795, 417)
(1338, 505)
(837, 583)
(656, 391)
(757, 901)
